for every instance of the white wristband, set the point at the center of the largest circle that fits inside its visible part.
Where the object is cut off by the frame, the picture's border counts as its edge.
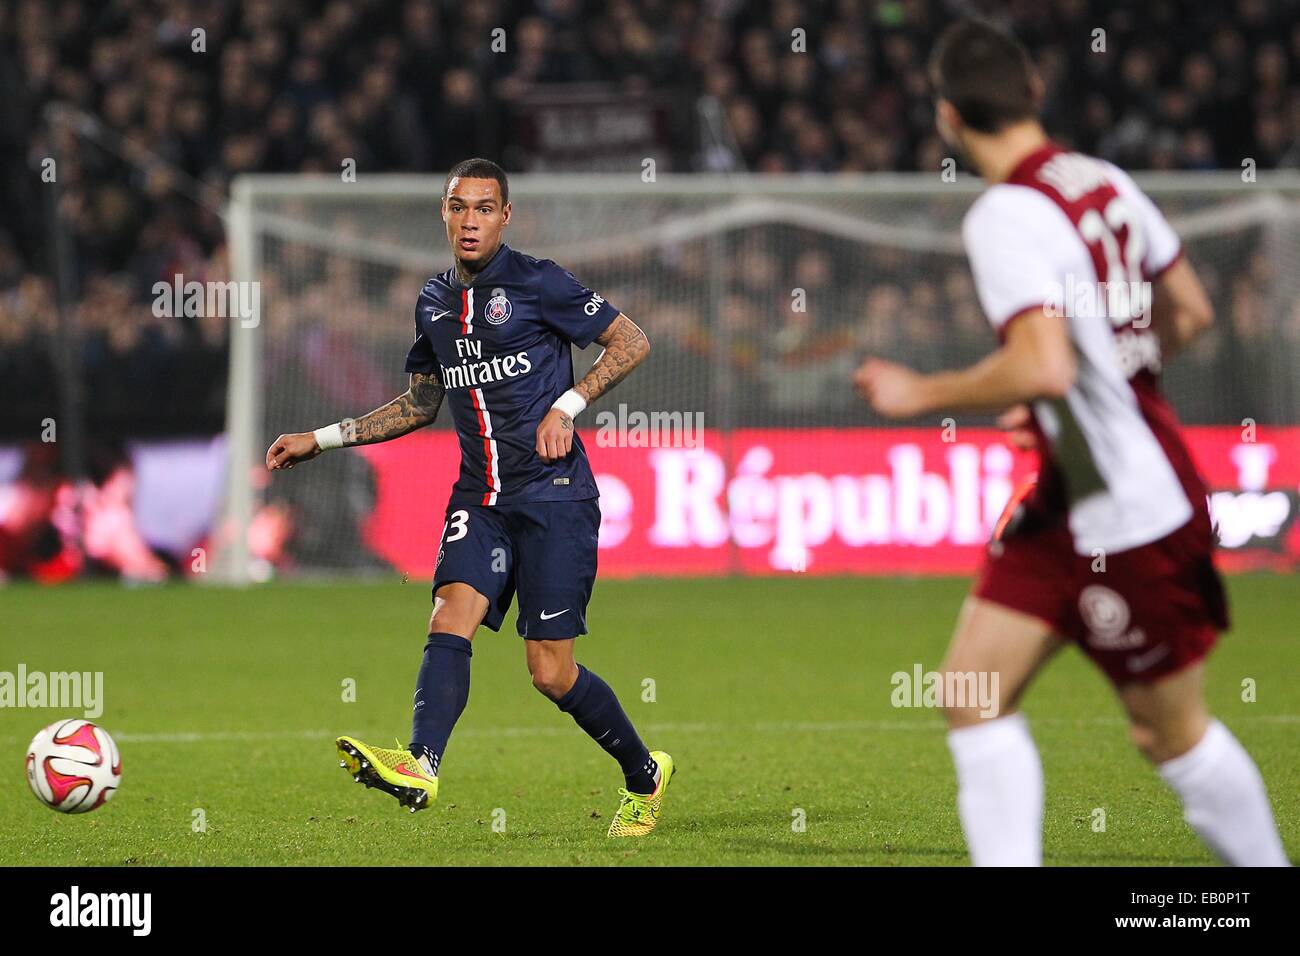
(571, 403)
(331, 436)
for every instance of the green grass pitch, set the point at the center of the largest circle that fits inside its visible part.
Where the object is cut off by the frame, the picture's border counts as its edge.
(773, 695)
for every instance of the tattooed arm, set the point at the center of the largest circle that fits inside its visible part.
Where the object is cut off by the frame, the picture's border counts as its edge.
(414, 408)
(626, 347)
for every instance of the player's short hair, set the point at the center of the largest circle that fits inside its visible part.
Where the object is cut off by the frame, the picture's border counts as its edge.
(985, 74)
(479, 169)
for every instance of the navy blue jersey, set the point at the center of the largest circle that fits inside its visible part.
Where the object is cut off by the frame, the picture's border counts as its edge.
(501, 348)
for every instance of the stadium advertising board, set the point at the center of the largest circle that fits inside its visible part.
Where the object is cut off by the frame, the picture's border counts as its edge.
(827, 501)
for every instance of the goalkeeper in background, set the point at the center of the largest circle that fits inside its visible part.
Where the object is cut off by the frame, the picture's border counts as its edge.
(492, 339)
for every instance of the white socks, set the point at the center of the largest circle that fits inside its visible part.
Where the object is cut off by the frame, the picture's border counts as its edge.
(1224, 800)
(1000, 795)
(1000, 791)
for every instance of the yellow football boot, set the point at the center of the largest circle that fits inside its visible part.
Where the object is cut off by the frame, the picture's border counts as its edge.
(396, 772)
(638, 813)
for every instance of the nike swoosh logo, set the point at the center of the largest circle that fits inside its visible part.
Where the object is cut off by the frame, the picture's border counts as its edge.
(408, 773)
(435, 316)
(1142, 662)
(546, 617)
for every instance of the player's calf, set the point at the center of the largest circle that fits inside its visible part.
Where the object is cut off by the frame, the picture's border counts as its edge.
(595, 708)
(1221, 789)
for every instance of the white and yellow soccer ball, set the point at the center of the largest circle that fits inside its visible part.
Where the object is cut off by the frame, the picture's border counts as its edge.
(73, 766)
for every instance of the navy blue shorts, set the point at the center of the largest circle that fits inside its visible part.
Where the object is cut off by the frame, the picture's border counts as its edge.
(544, 550)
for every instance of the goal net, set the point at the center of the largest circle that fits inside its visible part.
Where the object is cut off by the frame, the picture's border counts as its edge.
(760, 296)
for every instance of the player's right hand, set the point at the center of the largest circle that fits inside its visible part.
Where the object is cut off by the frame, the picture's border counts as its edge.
(1016, 421)
(287, 450)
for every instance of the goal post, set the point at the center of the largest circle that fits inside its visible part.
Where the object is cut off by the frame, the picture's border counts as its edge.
(759, 293)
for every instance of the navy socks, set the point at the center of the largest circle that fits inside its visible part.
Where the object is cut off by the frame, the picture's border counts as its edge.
(596, 710)
(441, 692)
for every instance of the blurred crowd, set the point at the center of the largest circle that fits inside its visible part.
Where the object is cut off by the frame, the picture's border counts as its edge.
(799, 312)
(414, 85)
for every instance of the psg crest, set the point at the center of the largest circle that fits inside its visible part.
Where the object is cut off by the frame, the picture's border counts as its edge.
(497, 309)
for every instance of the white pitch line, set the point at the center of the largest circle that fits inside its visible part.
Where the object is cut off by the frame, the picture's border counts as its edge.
(775, 727)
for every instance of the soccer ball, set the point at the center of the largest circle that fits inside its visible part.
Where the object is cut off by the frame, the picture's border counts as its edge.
(73, 766)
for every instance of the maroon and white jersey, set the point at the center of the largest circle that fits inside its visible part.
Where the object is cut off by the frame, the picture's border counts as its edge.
(1074, 234)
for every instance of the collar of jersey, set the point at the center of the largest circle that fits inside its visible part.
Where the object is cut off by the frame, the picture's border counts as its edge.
(484, 273)
(1033, 160)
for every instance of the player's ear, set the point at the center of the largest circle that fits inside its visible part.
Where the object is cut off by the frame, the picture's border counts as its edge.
(1037, 89)
(505, 215)
(442, 208)
(948, 120)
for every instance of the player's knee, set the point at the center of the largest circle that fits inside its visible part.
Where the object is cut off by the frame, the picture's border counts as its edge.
(965, 700)
(552, 678)
(959, 717)
(548, 684)
(1144, 738)
(444, 621)
(1161, 742)
(457, 610)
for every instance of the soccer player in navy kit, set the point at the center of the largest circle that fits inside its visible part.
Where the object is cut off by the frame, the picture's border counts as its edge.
(492, 339)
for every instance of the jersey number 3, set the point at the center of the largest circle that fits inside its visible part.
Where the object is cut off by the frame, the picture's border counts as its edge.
(457, 527)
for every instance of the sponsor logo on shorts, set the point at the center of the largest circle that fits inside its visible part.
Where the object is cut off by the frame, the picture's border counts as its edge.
(1141, 662)
(1107, 616)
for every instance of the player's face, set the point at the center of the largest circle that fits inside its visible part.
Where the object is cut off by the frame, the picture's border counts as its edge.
(475, 218)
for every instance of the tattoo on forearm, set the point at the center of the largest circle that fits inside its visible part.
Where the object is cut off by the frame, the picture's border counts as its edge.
(625, 347)
(415, 408)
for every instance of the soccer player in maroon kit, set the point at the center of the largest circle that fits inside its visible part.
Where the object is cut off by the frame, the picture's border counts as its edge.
(1113, 547)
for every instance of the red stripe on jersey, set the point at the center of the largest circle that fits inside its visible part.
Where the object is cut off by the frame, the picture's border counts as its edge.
(464, 312)
(485, 432)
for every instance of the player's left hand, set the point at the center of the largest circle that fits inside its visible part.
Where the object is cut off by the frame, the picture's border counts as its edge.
(893, 390)
(1016, 421)
(554, 436)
